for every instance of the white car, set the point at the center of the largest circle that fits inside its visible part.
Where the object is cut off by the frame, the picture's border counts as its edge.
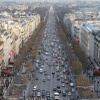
(66, 66)
(63, 85)
(71, 84)
(41, 70)
(37, 60)
(69, 94)
(47, 53)
(38, 94)
(34, 88)
(56, 96)
(42, 66)
(73, 90)
(61, 76)
(48, 77)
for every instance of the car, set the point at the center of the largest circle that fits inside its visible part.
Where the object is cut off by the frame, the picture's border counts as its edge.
(48, 94)
(71, 98)
(34, 88)
(49, 98)
(61, 76)
(69, 94)
(58, 87)
(36, 78)
(44, 80)
(73, 90)
(45, 73)
(59, 90)
(63, 85)
(66, 66)
(67, 90)
(41, 70)
(64, 71)
(43, 92)
(34, 94)
(37, 61)
(46, 53)
(38, 90)
(68, 72)
(39, 53)
(42, 66)
(70, 80)
(62, 81)
(38, 93)
(54, 89)
(48, 78)
(58, 78)
(56, 96)
(33, 74)
(66, 82)
(64, 93)
(71, 84)
(57, 75)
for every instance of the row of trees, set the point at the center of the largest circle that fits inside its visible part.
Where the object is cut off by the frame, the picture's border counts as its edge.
(76, 66)
(83, 83)
(34, 40)
(81, 55)
(84, 88)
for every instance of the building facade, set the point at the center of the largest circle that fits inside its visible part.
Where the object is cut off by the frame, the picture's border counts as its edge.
(97, 49)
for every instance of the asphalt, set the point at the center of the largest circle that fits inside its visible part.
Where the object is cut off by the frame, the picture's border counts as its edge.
(56, 56)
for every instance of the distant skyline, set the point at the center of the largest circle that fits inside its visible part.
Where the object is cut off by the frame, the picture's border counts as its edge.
(45, 0)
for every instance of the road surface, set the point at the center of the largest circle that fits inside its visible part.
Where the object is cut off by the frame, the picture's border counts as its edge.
(53, 61)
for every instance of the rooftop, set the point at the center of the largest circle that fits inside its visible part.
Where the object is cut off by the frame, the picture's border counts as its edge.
(92, 27)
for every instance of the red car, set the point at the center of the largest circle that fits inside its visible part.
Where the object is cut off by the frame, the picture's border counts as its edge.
(96, 72)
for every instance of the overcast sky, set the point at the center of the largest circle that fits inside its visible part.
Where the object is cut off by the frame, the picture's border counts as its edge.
(49, 0)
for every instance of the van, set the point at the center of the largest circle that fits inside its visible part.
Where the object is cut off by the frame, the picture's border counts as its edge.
(56, 96)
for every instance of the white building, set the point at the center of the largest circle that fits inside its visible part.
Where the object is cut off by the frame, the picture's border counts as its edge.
(88, 40)
(97, 49)
(73, 21)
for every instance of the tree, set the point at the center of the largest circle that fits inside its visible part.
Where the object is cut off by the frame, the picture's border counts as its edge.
(83, 85)
(76, 68)
(81, 55)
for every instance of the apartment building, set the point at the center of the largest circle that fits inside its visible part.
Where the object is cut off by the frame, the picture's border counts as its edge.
(7, 47)
(97, 49)
(73, 21)
(90, 41)
(14, 33)
(1, 52)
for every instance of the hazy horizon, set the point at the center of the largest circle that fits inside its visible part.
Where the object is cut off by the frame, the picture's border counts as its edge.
(46, 0)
